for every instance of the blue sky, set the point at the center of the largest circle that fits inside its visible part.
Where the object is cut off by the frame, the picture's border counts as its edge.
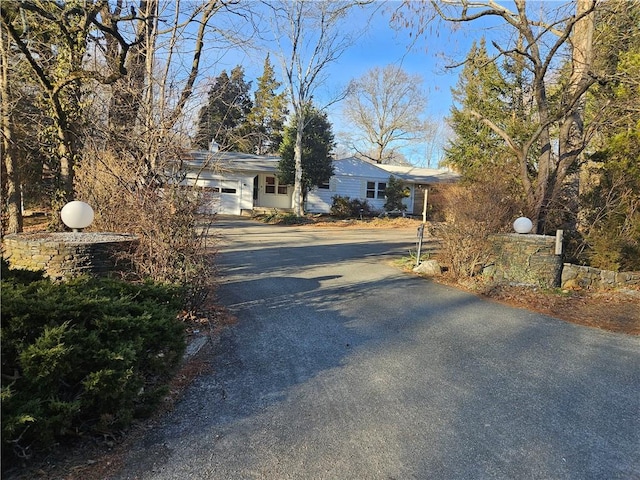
(428, 57)
(382, 45)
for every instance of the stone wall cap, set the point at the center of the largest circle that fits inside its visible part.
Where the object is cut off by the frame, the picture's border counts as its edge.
(524, 236)
(72, 237)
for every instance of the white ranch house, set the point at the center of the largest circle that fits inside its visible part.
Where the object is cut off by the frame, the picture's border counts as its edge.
(240, 184)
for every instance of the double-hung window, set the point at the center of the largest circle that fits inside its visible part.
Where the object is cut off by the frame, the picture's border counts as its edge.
(376, 189)
(272, 186)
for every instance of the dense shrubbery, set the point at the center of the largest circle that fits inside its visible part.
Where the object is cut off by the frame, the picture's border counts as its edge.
(610, 205)
(83, 356)
(345, 207)
(174, 241)
(472, 212)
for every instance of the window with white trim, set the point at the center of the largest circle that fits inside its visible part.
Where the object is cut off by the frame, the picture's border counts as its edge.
(376, 189)
(272, 186)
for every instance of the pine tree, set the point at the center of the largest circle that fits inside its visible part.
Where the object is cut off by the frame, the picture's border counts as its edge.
(317, 146)
(481, 89)
(224, 118)
(266, 118)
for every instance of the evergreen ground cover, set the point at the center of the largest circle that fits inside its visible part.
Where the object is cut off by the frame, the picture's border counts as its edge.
(82, 357)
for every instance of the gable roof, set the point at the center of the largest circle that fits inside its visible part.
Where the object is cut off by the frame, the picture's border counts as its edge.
(349, 167)
(356, 167)
(421, 175)
(231, 161)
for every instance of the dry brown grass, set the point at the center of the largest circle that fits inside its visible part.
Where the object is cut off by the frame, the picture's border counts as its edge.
(376, 222)
(614, 310)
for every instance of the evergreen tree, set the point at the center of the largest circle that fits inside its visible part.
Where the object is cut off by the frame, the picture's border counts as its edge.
(610, 185)
(395, 192)
(224, 118)
(266, 118)
(482, 90)
(317, 146)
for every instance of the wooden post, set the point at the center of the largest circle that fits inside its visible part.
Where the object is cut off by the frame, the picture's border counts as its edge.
(559, 235)
(424, 205)
(420, 235)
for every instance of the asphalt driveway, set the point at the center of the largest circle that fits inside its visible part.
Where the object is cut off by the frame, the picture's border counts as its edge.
(343, 367)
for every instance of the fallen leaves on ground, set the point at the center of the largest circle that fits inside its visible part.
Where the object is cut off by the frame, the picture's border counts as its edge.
(615, 310)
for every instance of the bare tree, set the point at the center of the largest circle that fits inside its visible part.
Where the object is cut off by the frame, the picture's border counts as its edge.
(11, 175)
(162, 67)
(561, 36)
(119, 77)
(386, 107)
(53, 39)
(134, 178)
(311, 35)
(134, 59)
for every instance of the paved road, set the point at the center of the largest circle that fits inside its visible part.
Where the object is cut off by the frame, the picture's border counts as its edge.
(342, 367)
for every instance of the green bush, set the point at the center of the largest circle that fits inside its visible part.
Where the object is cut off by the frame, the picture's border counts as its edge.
(395, 192)
(87, 355)
(345, 207)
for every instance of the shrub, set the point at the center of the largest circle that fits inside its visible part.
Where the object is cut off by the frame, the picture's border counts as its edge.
(395, 192)
(174, 237)
(282, 218)
(88, 355)
(345, 207)
(610, 205)
(472, 212)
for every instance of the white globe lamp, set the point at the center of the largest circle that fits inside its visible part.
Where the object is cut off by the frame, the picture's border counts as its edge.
(522, 225)
(77, 215)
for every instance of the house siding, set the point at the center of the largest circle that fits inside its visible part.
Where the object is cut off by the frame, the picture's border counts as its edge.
(273, 200)
(320, 200)
(244, 176)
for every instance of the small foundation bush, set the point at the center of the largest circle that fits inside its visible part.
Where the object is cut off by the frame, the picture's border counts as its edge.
(83, 356)
(346, 207)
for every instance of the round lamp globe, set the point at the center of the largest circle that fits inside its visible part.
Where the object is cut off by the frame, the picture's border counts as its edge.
(522, 225)
(77, 215)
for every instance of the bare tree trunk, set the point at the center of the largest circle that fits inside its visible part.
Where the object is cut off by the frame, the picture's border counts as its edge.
(559, 135)
(572, 135)
(298, 207)
(128, 90)
(65, 156)
(11, 168)
(315, 40)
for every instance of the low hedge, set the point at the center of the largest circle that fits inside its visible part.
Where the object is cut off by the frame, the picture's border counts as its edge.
(85, 356)
(346, 207)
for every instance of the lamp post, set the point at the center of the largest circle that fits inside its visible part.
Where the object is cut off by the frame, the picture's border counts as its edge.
(77, 215)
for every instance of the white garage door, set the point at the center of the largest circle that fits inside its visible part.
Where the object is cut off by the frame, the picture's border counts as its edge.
(221, 196)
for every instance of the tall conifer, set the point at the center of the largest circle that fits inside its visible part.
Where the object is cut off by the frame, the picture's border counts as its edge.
(266, 119)
(223, 119)
(481, 89)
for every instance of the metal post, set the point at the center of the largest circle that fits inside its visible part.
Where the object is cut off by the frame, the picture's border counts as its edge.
(420, 235)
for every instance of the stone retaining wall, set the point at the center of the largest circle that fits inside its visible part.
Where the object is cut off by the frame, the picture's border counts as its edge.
(524, 260)
(64, 255)
(578, 276)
